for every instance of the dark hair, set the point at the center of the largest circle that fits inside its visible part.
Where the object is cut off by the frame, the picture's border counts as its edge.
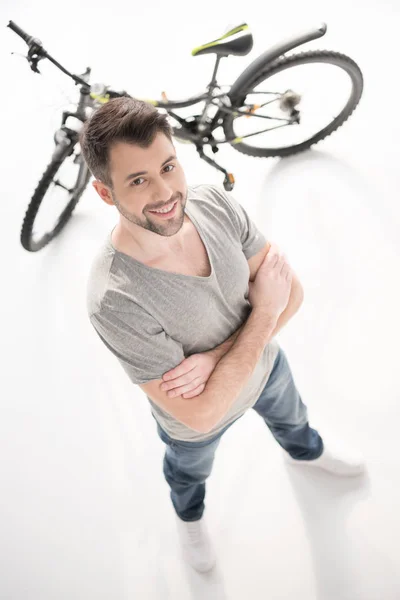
(119, 120)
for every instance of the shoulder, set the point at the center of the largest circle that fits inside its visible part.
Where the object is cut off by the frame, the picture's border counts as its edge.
(221, 204)
(97, 279)
(207, 190)
(215, 198)
(113, 284)
(134, 319)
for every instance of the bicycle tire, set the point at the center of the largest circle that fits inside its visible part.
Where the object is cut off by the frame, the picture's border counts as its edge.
(324, 56)
(38, 196)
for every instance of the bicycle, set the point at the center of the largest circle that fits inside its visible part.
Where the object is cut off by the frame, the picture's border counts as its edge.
(229, 108)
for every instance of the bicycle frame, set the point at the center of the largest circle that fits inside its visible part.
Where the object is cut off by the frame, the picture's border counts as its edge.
(89, 99)
(204, 135)
(200, 136)
(208, 97)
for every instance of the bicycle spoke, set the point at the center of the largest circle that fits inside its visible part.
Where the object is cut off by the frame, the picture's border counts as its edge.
(56, 199)
(262, 131)
(261, 92)
(314, 92)
(239, 139)
(250, 114)
(62, 186)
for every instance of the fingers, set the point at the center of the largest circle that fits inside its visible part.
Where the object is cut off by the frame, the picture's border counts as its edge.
(180, 371)
(282, 263)
(196, 392)
(181, 389)
(285, 265)
(287, 271)
(272, 256)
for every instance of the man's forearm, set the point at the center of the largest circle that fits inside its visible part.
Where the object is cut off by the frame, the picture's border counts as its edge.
(234, 369)
(290, 310)
(292, 307)
(220, 350)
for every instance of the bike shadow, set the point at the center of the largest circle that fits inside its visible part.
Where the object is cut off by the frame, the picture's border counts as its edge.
(311, 157)
(291, 178)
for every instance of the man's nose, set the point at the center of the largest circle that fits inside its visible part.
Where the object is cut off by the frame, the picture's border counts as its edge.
(164, 191)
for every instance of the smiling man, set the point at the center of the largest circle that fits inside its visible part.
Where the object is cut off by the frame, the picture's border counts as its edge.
(168, 294)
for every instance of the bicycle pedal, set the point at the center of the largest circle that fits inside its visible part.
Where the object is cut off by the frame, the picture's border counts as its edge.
(229, 182)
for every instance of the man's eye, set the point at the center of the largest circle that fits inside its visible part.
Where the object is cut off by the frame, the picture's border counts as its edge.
(134, 182)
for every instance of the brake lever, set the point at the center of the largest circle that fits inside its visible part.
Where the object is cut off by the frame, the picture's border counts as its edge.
(35, 53)
(33, 63)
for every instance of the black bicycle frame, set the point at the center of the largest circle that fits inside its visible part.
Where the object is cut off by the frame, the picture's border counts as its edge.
(205, 134)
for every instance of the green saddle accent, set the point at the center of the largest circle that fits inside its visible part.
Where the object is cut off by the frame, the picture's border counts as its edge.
(238, 41)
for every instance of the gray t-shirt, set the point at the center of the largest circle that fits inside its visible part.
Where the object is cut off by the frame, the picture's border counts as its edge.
(152, 319)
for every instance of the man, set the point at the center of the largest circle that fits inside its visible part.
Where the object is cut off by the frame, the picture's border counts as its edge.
(188, 294)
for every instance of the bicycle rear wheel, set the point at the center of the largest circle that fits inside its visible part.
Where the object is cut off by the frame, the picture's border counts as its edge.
(62, 185)
(337, 91)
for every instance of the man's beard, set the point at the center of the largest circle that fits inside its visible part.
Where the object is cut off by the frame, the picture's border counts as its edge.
(149, 224)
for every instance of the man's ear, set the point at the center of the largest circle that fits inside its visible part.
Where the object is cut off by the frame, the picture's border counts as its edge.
(103, 191)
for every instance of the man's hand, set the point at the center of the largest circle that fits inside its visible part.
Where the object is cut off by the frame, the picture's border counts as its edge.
(189, 378)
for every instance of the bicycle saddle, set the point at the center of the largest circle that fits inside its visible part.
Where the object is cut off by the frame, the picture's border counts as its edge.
(238, 41)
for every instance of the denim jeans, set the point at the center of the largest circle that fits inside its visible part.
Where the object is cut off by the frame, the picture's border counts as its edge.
(187, 465)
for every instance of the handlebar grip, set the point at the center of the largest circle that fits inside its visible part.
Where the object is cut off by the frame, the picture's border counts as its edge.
(27, 38)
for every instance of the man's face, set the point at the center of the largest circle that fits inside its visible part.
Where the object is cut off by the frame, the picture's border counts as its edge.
(146, 179)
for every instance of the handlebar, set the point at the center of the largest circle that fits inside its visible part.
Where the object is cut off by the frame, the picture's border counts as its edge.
(27, 38)
(37, 52)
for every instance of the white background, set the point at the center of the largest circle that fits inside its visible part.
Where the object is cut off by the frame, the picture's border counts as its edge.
(85, 510)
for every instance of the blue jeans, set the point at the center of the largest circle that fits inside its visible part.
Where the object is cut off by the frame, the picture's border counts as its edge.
(188, 464)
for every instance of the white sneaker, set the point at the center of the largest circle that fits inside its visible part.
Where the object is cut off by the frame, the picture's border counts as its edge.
(335, 458)
(196, 544)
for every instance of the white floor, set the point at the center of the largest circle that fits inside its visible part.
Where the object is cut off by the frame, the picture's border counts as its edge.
(85, 512)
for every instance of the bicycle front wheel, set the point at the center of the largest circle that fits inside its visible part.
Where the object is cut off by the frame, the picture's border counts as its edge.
(56, 195)
(293, 103)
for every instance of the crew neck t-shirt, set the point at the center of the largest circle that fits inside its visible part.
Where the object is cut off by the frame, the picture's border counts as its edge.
(151, 319)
